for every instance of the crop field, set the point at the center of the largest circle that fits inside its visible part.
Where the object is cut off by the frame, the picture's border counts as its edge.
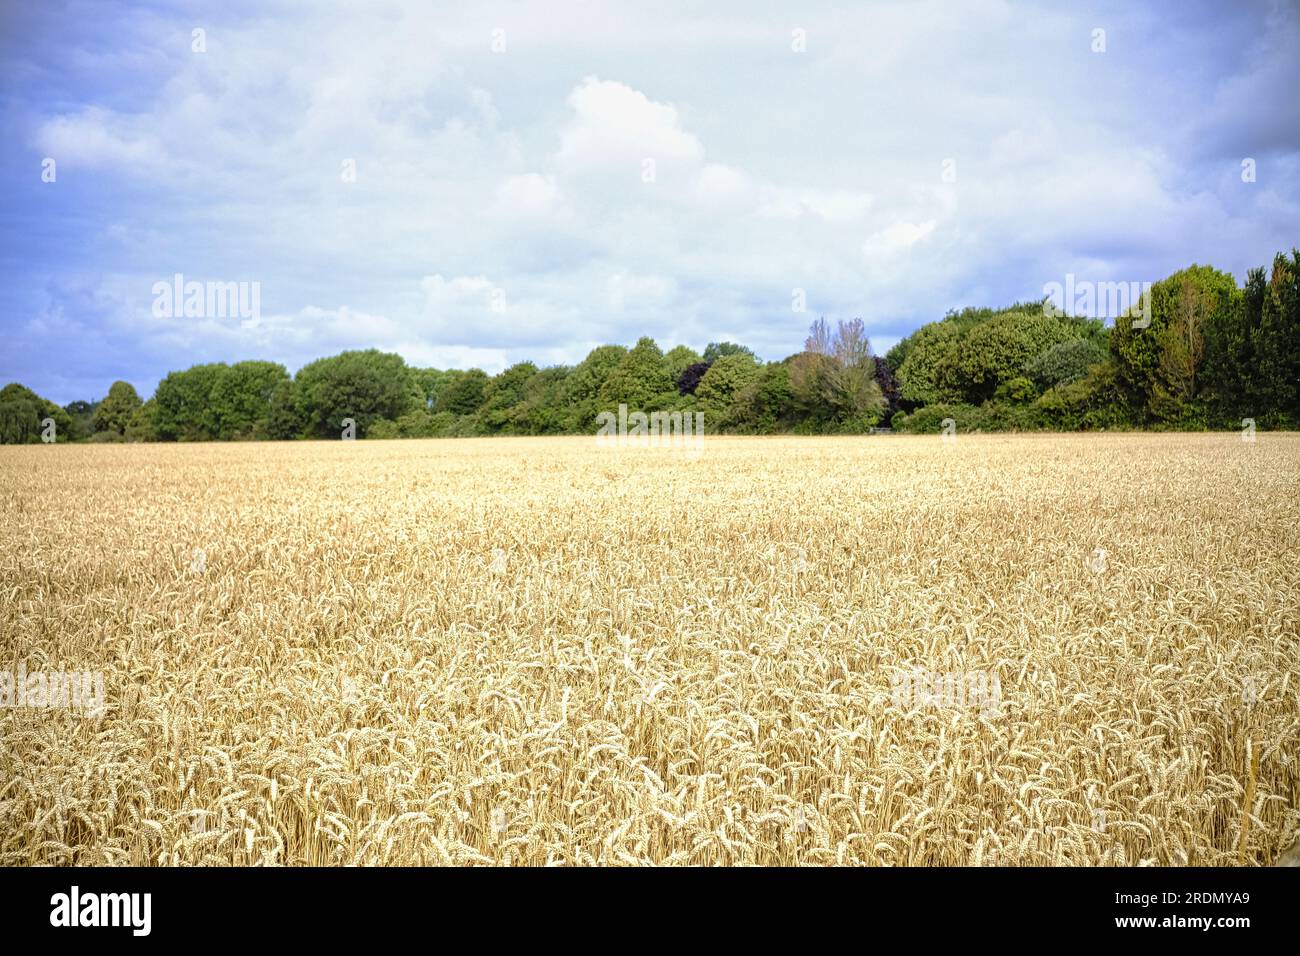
(889, 650)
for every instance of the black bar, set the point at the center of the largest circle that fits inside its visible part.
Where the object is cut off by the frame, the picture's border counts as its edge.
(966, 906)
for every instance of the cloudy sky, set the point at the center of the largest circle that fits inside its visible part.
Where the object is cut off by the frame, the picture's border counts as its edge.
(533, 180)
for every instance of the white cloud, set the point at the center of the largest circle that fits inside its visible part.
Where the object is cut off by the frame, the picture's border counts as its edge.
(528, 196)
(95, 138)
(897, 237)
(614, 125)
(522, 172)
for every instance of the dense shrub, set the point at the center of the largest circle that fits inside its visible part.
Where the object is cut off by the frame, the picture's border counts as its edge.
(1016, 391)
(1064, 362)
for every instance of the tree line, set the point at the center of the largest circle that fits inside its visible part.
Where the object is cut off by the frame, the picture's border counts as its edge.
(1206, 354)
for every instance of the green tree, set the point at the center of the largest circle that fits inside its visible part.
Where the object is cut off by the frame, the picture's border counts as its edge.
(542, 410)
(364, 386)
(23, 414)
(723, 385)
(431, 382)
(20, 415)
(580, 395)
(82, 417)
(998, 349)
(184, 410)
(934, 365)
(641, 380)
(1064, 362)
(896, 355)
(504, 392)
(284, 416)
(1229, 379)
(462, 393)
(766, 404)
(1182, 344)
(116, 410)
(835, 377)
(925, 373)
(241, 398)
(1158, 365)
(716, 350)
(1277, 344)
(142, 427)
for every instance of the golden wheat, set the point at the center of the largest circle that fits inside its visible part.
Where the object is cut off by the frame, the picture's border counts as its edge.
(536, 651)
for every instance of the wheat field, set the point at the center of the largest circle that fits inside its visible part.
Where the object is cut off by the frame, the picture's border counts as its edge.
(538, 651)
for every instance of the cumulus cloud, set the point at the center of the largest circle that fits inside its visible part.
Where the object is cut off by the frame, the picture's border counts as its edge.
(615, 125)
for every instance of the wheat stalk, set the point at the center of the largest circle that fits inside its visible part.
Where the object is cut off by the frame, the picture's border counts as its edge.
(488, 652)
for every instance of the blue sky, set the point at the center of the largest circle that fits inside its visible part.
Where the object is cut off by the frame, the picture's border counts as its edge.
(503, 208)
